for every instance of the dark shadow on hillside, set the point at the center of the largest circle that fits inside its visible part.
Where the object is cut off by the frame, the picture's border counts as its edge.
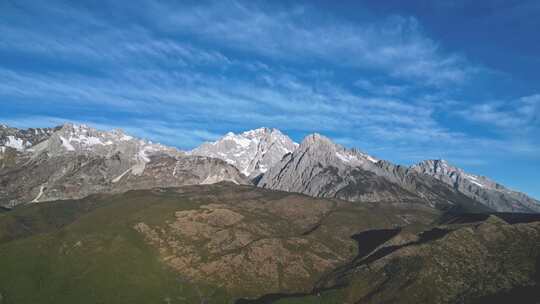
(510, 218)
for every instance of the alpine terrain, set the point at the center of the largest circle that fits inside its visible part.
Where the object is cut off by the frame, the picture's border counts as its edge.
(252, 152)
(74, 161)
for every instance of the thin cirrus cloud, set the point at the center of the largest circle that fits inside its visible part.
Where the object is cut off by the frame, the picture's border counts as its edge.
(519, 115)
(395, 45)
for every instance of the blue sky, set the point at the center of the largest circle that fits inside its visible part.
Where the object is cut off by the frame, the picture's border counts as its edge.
(401, 80)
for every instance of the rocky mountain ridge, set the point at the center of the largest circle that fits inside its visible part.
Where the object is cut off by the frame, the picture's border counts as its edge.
(322, 168)
(74, 161)
(252, 152)
(480, 188)
(22, 139)
(49, 163)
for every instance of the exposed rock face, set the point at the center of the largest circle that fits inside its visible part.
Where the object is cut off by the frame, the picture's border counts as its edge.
(323, 169)
(252, 152)
(480, 188)
(15, 142)
(22, 139)
(320, 168)
(75, 161)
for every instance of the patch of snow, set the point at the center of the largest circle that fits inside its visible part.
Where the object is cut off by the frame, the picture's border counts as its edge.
(344, 157)
(468, 176)
(66, 144)
(35, 200)
(285, 150)
(371, 159)
(241, 141)
(86, 140)
(15, 143)
(119, 177)
(146, 150)
(175, 167)
(473, 179)
(142, 155)
(476, 183)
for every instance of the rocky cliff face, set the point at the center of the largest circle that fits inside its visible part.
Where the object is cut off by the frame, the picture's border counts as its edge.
(22, 139)
(480, 188)
(252, 152)
(75, 161)
(15, 142)
(321, 168)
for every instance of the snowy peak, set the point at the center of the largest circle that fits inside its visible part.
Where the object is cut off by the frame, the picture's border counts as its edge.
(252, 152)
(85, 136)
(84, 139)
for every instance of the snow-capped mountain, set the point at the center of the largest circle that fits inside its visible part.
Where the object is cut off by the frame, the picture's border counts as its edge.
(81, 139)
(480, 188)
(74, 161)
(252, 152)
(22, 139)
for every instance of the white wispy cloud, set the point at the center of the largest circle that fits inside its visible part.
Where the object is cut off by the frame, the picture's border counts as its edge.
(395, 45)
(519, 115)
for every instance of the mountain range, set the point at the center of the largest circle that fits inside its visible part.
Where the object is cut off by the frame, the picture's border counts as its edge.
(73, 161)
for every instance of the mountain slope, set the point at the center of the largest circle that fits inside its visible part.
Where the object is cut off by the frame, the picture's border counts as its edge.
(323, 169)
(227, 243)
(483, 262)
(194, 244)
(75, 161)
(22, 139)
(252, 152)
(15, 142)
(480, 188)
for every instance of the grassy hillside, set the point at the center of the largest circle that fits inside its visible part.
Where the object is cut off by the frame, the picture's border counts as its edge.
(128, 248)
